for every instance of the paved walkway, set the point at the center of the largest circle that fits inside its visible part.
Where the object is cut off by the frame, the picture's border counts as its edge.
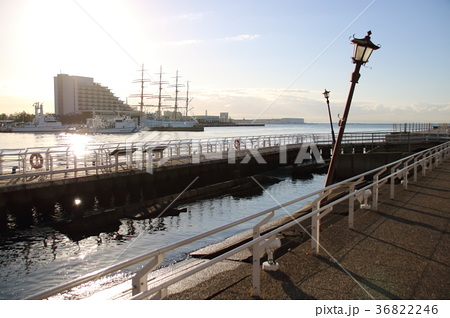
(400, 251)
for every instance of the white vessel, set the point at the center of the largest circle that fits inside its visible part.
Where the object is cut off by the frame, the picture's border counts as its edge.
(169, 119)
(118, 125)
(40, 124)
(149, 122)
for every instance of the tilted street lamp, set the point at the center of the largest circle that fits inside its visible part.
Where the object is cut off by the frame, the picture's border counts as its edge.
(363, 49)
(327, 95)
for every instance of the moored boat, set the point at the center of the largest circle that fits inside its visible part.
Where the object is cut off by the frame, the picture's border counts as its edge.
(40, 124)
(117, 125)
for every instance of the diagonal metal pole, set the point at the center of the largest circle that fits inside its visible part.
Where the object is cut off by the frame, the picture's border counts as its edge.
(337, 145)
(331, 122)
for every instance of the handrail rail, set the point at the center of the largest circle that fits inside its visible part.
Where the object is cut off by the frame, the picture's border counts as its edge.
(437, 153)
(68, 161)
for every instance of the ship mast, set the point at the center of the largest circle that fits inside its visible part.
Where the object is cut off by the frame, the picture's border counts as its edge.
(160, 96)
(158, 115)
(187, 98)
(174, 115)
(142, 95)
(176, 98)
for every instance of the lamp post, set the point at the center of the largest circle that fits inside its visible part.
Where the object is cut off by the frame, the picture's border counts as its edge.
(327, 95)
(362, 51)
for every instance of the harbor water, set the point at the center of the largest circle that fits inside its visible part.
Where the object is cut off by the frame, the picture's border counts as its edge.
(39, 257)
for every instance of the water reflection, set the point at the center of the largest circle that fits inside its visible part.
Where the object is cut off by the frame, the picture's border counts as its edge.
(77, 143)
(40, 257)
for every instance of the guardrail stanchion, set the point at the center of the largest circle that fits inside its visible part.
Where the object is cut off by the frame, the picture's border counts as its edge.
(415, 169)
(51, 168)
(256, 256)
(315, 229)
(376, 188)
(1, 162)
(139, 280)
(393, 176)
(315, 221)
(25, 169)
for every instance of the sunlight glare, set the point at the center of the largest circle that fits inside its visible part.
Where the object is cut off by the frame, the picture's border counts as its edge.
(78, 143)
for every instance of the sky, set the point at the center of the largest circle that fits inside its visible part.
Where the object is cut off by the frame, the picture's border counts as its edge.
(252, 59)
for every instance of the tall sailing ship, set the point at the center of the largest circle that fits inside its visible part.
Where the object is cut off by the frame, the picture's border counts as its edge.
(162, 119)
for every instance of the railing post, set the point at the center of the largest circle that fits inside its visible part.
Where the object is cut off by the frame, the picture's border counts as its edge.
(86, 172)
(351, 202)
(423, 163)
(51, 168)
(97, 158)
(436, 158)
(116, 158)
(315, 229)
(67, 158)
(24, 165)
(256, 255)
(139, 280)
(431, 161)
(405, 173)
(256, 271)
(393, 174)
(315, 222)
(46, 159)
(129, 155)
(75, 165)
(415, 169)
(376, 189)
(351, 206)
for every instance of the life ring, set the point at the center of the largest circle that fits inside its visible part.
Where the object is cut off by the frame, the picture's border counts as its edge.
(237, 144)
(36, 160)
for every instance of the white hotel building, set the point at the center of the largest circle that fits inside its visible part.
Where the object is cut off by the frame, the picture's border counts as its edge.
(78, 94)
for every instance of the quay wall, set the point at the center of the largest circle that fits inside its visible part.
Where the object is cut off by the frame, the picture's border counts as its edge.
(50, 201)
(26, 204)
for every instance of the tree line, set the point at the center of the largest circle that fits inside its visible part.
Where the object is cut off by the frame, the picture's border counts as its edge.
(18, 117)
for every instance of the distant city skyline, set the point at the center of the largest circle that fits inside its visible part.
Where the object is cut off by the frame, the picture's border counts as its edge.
(252, 59)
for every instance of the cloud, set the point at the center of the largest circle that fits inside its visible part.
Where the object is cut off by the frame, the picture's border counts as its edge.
(416, 108)
(425, 112)
(421, 107)
(243, 37)
(251, 103)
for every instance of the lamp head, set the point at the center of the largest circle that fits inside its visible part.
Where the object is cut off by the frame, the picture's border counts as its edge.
(326, 93)
(363, 49)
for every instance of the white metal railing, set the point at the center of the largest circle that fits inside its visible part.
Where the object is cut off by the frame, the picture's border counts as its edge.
(415, 127)
(355, 188)
(62, 162)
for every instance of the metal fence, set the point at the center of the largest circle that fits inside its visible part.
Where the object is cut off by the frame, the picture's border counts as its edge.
(351, 190)
(37, 164)
(62, 162)
(416, 127)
